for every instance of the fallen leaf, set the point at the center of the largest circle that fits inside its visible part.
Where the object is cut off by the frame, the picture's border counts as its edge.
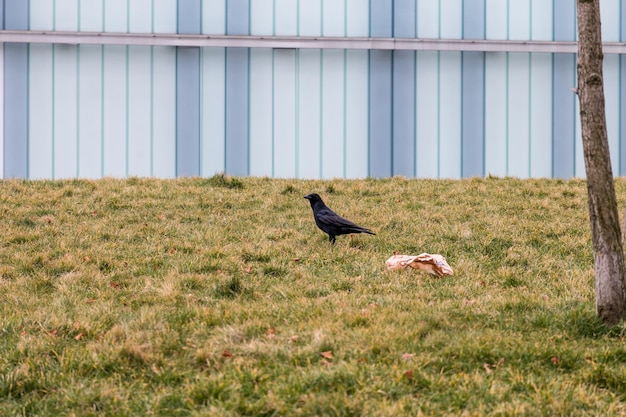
(408, 374)
(271, 332)
(293, 339)
(54, 332)
(23, 334)
(500, 362)
(227, 354)
(94, 213)
(161, 217)
(48, 220)
(91, 300)
(79, 336)
(326, 363)
(487, 368)
(555, 360)
(407, 356)
(114, 284)
(86, 259)
(171, 251)
(249, 269)
(328, 354)
(296, 259)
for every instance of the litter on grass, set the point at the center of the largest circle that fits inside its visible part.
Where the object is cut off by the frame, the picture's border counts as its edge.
(432, 263)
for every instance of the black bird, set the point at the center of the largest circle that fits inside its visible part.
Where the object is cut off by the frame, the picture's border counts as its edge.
(330, 222)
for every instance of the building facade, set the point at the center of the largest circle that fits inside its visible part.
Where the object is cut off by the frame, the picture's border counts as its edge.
(299, 88)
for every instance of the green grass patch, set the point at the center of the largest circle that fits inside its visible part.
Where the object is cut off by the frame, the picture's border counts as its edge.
(219, 296)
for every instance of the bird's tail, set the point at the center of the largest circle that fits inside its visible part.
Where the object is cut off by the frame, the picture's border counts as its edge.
(359, 229)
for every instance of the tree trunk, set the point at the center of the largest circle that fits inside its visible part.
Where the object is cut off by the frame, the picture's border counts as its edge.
(605, 230)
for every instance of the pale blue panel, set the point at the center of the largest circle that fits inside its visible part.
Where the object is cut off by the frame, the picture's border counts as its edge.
(41, 15)
(2, 138)
(16, 114)
(404, 19)
(139, 111)
(427, 19)
(91, 15)
(190, 16)
(114, 117)
(40, 99)
(310, 18)
(564, 15)
(357, 18)
(610, 17)
(286, 17)
(284, 113)
(115, 15)
(187, 112)
(622, 135)
(16, 14)
(519, 20)
(309, 118)
(450, 115)
(214, 16)
(90, 111)
(356, 113)
(213, 90)
(519, 117)
(66, 15)
(380, 101)
(403, 152)
(237, 17)
(563, 114)
(334, 18)
(497, 18)
(333, 101)
(65, 112)
(381, 22)
(579, 157)
(473, 114)
(496, 139)
(140, 16)
(262, 17)
(541, 115)
(611, 72)
(427, 109)
(261, 114)
(164, 19)
(451, 19)
(237, 111)
(541, 15)
(164, 112)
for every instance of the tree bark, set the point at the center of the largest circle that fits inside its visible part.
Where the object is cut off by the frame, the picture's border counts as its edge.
(605, 230)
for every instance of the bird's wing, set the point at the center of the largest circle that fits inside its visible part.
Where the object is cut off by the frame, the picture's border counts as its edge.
(329, 218)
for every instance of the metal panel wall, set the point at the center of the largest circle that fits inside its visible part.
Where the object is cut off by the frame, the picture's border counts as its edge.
(93, 111)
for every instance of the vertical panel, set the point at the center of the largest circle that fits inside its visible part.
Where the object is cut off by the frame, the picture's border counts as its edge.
(91, 15)
(40, 100)
(579, 157)
(114, 111)
(519, 20)
(403, 151)
(541, 115)
(237, 111)
(427, 114)
(496, 114)
(611, 92)
(90, 96)
(564, 22)
(164, 112)
(541, 25)
(188, 111)
(333, 101)
(356, 113)
(451, 19)
(309, 113)
(381, 18)
(474, 19)
(622, 107)
(496, 19)
(428, 19)
(310, 18)
(333, 23)
(237, 17)
(284, 114)
(214, 17)
(518, 108)
(164, 16)
(140, 16)
(41, 15)
(115, 15)
(189, 16)
(2, 138)
(65, 112)
(473, 139)
(213, 80)
(16, 15)
(563, 115)
(357, 18)
(610, 17)
(262, 17)
(66, 15)
(286, 17)
(380, 124)
(450, 115)
(139, 111)
(261, 112)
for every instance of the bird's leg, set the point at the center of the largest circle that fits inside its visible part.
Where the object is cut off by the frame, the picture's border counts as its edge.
(331, 238)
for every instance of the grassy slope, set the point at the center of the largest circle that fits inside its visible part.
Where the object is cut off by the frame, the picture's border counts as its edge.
(220, 296)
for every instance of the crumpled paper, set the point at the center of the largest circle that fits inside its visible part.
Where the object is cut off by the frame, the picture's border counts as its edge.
(432, 263)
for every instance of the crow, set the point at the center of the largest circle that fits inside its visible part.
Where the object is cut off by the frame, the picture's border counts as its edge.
(329, 222)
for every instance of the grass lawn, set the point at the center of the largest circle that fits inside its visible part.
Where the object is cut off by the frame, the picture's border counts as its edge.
(219, 296)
